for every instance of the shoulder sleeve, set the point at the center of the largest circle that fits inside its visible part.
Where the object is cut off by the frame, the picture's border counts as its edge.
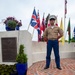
(45, 33)
(60, 31)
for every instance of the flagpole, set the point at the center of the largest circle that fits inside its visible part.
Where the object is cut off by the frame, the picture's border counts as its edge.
(33, 33)
(65, 12)
(64, 27)
(64, 19)
(43, 21)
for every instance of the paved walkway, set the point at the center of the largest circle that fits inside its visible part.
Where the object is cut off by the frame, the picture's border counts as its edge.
(68, 68)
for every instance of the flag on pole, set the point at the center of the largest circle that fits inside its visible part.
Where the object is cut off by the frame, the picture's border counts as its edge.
(56, 22)
(33, 21)
(42, 27)
(65, 8)
(47, 21)
(61, 26)
(38, 29)
(69, 32)
(74, 33)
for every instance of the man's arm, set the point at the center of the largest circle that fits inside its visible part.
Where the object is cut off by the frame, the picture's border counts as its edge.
(45, 35)
(59, 36)
(60, 33)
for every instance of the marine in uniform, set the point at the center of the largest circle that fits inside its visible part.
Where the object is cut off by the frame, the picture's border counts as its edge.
(51, 35)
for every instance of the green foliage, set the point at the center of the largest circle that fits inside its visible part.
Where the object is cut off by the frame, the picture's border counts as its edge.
(73, 40)
(7, 69)
(12, 24)
(21, 57)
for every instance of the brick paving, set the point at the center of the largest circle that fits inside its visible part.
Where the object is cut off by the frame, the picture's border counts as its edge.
(67, 65)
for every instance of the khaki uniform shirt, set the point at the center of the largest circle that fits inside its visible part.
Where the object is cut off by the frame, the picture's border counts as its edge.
(52, 33)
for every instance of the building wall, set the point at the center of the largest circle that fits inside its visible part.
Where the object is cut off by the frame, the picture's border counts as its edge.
(39, 51)
(23, 37)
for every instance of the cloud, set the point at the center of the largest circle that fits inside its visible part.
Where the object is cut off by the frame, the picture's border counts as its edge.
(22, 9)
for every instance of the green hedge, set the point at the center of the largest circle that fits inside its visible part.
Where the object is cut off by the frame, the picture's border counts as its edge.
(73, 39)
(7, 69)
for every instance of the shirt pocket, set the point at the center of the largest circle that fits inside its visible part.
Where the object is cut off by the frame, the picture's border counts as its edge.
(56, 31)
(50, 32)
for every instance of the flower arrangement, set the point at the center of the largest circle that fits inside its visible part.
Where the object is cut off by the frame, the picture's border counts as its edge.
(12, 23)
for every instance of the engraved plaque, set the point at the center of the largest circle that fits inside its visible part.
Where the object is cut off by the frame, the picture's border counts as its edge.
(9, 49)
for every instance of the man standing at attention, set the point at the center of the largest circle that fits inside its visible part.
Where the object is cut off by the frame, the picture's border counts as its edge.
(51, 35)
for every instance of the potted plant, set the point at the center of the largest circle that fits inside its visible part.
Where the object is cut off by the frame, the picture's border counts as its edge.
(21, 60)
(11, 24)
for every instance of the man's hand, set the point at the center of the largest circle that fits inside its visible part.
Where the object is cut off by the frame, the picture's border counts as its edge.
(59, 36)
(45, 39)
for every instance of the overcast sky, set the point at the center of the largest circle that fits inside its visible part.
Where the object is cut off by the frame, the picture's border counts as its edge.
(22, 10)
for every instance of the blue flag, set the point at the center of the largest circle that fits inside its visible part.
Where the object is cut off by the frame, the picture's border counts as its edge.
(74, 33)
(33, 21)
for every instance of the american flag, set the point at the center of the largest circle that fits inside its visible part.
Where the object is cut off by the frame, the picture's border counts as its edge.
(33, 21)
